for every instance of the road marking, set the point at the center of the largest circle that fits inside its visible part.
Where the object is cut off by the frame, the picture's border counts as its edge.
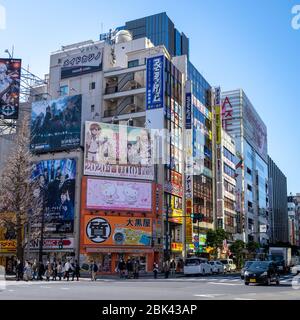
(64, 288)
(45, 287)
(227, 284)
(209, 295)
(243, 299)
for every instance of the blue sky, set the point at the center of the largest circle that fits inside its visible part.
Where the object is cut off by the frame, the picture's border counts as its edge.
(247, 44)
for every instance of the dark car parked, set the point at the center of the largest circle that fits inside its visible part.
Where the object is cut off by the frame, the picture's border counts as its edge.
(245, 267)
(263, 272)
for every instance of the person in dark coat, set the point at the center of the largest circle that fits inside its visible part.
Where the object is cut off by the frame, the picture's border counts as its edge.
(19, 270)
(121, 268)
(76, 271)
(41, 270)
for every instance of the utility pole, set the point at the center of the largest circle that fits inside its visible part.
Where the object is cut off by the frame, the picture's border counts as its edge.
(42, 230)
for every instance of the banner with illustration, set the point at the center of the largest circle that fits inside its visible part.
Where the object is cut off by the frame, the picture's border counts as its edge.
(10, 75)
(117, 151)
(56, 187)
(104, 194)
(117, 231)
(56, 124)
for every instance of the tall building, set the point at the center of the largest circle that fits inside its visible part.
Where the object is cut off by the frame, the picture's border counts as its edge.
(160, 29)
(278, 203)
(294, 219)
(243, 123)
(226, 205)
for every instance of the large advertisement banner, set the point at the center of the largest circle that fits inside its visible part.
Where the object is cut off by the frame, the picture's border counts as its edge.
(88, 60)
(118, 195)
(155, 83)
(117, 151)
(117, 231)
(10, 74)
(255, 131)
(56, 179)
(56, 124)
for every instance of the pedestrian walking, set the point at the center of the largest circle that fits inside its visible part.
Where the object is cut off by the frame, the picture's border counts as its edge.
(155, 270)
(68, 269)
(166, 269)
(49, 271)
(27, 271)
(173, 268)
(93, 270)
(41, 270)
(19, 270)
(136, 269)
(54, 269)
(121, 268)
(76, 271)
(59, 271)
(35, 270)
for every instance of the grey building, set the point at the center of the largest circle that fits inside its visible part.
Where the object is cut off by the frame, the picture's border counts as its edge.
(278, 203)
(242, 122)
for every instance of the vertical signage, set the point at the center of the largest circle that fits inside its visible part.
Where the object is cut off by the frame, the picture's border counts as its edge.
(218, 124)
(188, 112)
(227, 114)
(155, 83)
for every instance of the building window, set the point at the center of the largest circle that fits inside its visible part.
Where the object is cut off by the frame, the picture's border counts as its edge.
(92, 108)
(228, 155)
(249, 187)
(133, 63)
(249, 171)
(229, 204)
(229, 171)
(229, 187)
(64, 90)
(92, 85)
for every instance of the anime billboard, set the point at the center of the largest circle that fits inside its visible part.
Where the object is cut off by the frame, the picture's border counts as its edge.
(117, 151)
(10, 74)
(118, 195)
(56, 124)
(56, 186)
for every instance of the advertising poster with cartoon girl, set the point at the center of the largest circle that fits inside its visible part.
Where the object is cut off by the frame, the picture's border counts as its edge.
(118, 195)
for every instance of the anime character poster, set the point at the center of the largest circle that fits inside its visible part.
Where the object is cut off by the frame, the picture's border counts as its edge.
(117, 151)
(56, 185)
(124, 195)
(56, 124)
(10, 74)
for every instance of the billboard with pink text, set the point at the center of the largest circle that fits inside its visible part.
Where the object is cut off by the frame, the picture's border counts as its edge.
(118, 195)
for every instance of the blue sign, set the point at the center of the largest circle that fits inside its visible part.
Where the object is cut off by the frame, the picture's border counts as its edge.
(155, 83)
(188, 111)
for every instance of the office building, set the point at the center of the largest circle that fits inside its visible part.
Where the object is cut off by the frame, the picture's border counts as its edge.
(243, 123)
(278, 203)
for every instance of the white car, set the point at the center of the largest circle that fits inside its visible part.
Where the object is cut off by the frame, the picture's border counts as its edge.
(217, 266)
(295, 269)
(193, 266)
(228, 265)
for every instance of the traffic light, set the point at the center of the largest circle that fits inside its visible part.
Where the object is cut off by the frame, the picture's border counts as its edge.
(60, 244)
(197, 217)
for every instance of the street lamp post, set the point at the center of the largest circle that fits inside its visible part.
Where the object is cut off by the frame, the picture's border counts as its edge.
(42, 232)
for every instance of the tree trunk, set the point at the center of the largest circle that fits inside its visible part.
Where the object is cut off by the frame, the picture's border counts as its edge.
(20, 249)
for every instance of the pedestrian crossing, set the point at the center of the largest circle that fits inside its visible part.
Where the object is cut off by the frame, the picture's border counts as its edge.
(225, 280)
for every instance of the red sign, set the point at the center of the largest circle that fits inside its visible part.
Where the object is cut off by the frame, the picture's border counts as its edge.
(227, 114)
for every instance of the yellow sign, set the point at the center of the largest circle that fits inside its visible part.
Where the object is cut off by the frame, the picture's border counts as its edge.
(218, 124)
(176, 216)
(177, 246)
(188, 230)
(8, 246)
